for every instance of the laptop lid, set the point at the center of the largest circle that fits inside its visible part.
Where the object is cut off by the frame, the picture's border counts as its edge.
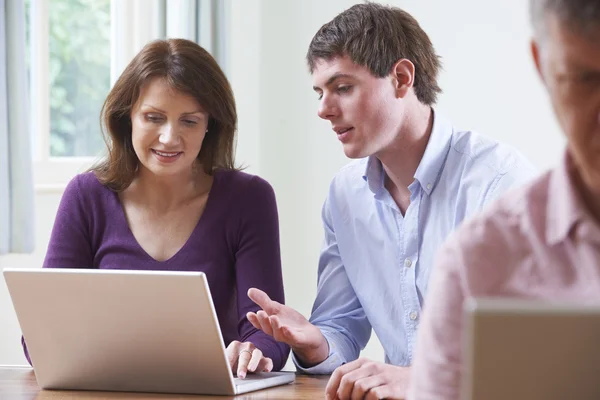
(117, 330)
(525, 350)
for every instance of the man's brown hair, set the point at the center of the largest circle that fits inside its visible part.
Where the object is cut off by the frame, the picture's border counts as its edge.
(376, 37)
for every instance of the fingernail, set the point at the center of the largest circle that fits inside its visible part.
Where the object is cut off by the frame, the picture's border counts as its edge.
(242, 375)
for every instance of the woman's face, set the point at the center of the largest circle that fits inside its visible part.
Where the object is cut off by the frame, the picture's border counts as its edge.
(167, 129)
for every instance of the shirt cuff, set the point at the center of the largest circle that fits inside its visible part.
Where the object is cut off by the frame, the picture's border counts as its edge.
(326, 366)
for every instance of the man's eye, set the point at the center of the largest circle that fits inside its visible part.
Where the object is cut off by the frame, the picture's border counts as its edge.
(590, 77)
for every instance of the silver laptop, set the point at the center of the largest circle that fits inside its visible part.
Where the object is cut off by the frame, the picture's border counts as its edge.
(524, 350)
(134, 331)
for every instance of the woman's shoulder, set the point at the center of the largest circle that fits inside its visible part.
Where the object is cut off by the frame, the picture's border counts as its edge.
(250, 195)
(86, 185)
(87, 181)
(242, 183)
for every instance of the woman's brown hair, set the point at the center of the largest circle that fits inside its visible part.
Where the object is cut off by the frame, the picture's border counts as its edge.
(189, 69)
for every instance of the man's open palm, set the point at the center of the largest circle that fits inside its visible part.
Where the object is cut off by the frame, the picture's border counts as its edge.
(288, 326)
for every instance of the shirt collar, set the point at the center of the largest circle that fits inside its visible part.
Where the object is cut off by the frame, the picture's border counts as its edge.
(565, 207)
(374, 175)
(431, 164)
(434, 158)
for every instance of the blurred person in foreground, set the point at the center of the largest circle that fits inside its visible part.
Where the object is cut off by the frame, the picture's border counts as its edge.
(539, 242)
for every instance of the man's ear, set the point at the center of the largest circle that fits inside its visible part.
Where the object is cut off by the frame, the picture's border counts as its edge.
(403, 74)
(535, 53)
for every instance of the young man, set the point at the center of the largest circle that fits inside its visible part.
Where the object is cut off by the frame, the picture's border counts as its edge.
(416, 178)
(542, 241)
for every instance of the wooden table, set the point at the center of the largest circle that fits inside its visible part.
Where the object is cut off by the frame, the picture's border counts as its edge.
(18, 383)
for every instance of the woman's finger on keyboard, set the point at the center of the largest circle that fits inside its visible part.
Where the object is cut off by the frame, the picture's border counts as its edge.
(244, 357)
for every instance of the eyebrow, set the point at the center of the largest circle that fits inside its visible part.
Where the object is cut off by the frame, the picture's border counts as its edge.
(334, 77)
(164, 112)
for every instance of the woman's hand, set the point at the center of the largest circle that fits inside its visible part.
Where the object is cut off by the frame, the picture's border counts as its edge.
(245, 357)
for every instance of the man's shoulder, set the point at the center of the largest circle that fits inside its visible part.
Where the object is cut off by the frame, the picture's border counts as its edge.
(507, 222)
(350, 180)
(476, 150)
(352, 170)
(489, 250)
(348, 190)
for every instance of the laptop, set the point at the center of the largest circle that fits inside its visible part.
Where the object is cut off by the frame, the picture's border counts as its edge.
(129, 331)
(529, 350)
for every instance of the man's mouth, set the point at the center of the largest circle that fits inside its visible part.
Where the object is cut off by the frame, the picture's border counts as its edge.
(341, 131)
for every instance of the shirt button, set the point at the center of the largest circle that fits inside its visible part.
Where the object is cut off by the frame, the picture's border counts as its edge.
(413, 315)
(407, 263)
(429, 186)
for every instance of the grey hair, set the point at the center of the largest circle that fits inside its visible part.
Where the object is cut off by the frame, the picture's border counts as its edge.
(581, 15)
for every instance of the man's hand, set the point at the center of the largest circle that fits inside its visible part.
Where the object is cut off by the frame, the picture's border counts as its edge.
(366, 379)
(245, 357)
(288, 326)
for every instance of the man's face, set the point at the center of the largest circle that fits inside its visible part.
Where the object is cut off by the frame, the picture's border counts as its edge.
(364, 110)
(569, 63)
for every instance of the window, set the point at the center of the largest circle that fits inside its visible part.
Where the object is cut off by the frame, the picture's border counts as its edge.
(79, 75)
(69, 69)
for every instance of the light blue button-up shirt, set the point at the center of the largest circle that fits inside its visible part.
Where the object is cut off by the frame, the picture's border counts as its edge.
(375, 263)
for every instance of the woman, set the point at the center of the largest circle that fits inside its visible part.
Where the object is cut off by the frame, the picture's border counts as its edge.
(168, 196)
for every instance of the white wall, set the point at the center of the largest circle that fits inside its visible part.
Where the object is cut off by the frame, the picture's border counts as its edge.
(488, 81)
(46, 204)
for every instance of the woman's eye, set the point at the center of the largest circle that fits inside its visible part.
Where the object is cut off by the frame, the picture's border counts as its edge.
(189, 122)
(343, 89)
(154, 118)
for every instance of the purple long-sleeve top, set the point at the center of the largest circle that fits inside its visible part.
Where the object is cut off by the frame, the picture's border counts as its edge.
(235, 243)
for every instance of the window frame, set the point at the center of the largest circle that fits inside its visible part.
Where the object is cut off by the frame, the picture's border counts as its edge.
(49, 173)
